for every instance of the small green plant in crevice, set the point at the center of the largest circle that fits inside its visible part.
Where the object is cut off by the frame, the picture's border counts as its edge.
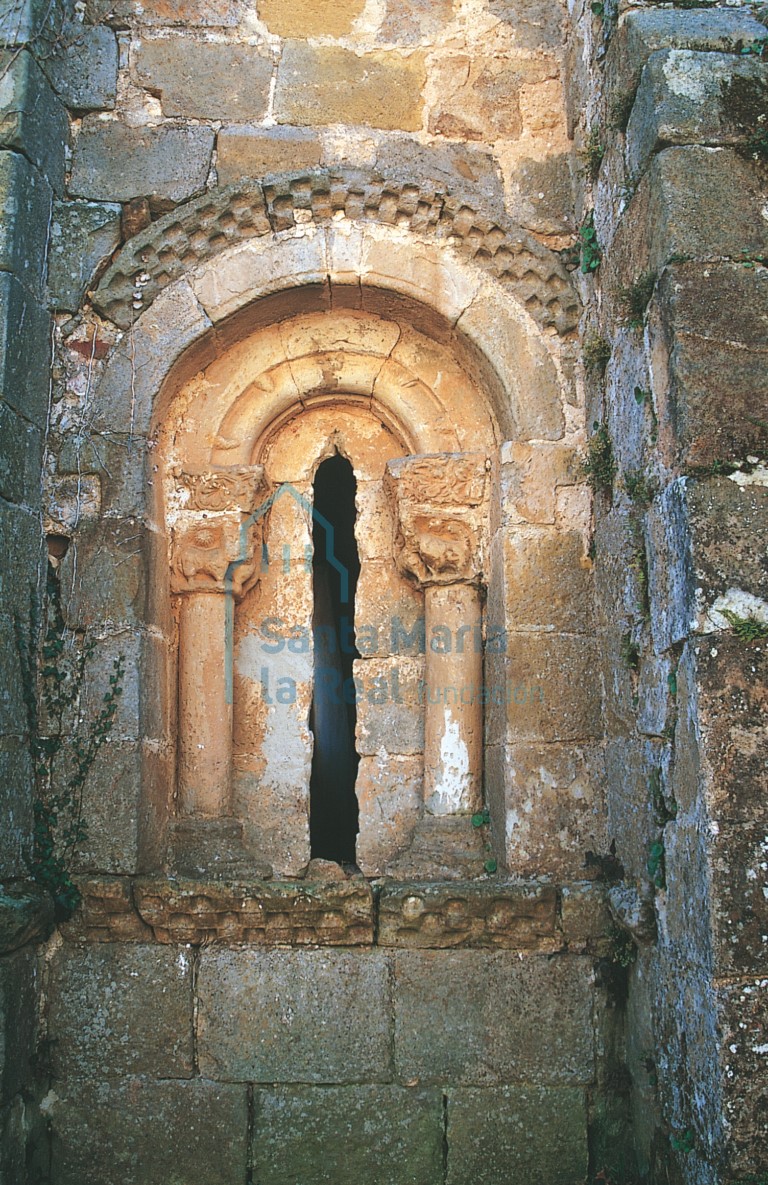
(643, 398)
(748, 629)
(656, 864)
(634, 299)
(600, 463)
(684, 1143)
(622, 948)
(63, 748)
(630, 652)
(663, 811)
(641, 488)
(483, 819)
(592, 153)
(589, 248)
(621, 109)
(745, 104)
(596, 353)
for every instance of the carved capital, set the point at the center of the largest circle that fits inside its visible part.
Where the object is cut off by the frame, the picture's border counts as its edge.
(217, 554)
(223, 487)
(440, 505)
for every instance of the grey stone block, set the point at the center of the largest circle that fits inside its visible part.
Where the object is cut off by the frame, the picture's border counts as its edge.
(542, 198)
(21, 543)
(117, 1010)
(115, 162)
(15, 804)
(13, 713)
(111, 810)
(82, 68)
(21, 457)
(83, 236)
(294, 1016)
(143, 1132)
(24, 354)
(382, 1135)
(18, 991)
(457, 166)
(21, 20)
(32, 120)
(680, 101)
(517, 1134)
(646, 30)
(208, 13)
(25, 199)
(204, 79)
(475, 1018)
(693, 203)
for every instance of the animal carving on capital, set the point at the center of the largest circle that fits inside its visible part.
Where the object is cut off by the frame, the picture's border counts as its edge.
(436, 551)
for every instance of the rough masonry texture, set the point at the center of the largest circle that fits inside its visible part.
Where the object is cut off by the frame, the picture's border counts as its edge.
(500, 269)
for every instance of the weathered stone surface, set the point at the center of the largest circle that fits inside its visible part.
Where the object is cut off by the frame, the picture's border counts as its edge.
(510, 1133)
(670, 569)
(22, 544)
(32, 120)
(83, 236)
(24, 356)
(444, 848)
(390, 801)
(112, 806)
(310, 18)
(107, 913)
(18, 1022)
(517, 917)
(25, 198)
(208, 13)
(22, 20)
(530, 1020)
(82, 68)
(552, 688)
(116, 162)
(732, 692)
(376, 1134)
(411, 22)
(204, 79)
(454, 165)
(300, 913)
(108, 560)
(534, 24)
(710, 372)
(739, 858)
(549, 578)
(21, 455)
(118, 1010)
(531, 475)
(288, 1016)
(396, 725)
(692, 203)
(541, 197)
(644, 31)
(680, 101)
(13, 716)
(743, 1016)
(479, 97)
(555, 809)
(319, 85)
(251, 152)
(584, 917)
(26, 915)
(144, 1132)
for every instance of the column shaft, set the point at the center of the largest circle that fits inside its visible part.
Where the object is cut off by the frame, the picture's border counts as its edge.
(205, 717)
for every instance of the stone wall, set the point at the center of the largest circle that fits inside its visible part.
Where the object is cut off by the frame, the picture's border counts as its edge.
(33, 138)
(180, 178)
(677, 198)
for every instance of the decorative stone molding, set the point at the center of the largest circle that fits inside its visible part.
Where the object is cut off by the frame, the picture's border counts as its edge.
(200, 229)
(520, 917)
(230, 488)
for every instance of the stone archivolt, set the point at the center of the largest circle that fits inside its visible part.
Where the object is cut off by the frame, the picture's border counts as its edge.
(199, 230)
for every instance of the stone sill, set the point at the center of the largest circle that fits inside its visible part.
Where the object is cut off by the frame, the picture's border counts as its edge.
(495, 915)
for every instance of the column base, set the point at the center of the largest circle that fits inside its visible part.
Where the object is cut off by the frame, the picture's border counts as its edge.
(213, 849)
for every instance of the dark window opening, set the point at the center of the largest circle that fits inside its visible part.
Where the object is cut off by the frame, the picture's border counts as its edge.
(335, 568)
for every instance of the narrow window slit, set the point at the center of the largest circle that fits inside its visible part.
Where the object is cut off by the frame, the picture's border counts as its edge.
(333, 811)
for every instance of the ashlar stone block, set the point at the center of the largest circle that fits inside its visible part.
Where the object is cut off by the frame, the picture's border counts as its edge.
(479, 97)
(82, 68)
(205, 13)
(294, 1016)
(116, 162)
(117, 1010)
(244, 151)
(204, 79)
(83, 236)
(383, 1135)
(517, 1134)
(310, 18)
(142, 1131)
(530, 1020)
(319, 85)
(25, 198)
